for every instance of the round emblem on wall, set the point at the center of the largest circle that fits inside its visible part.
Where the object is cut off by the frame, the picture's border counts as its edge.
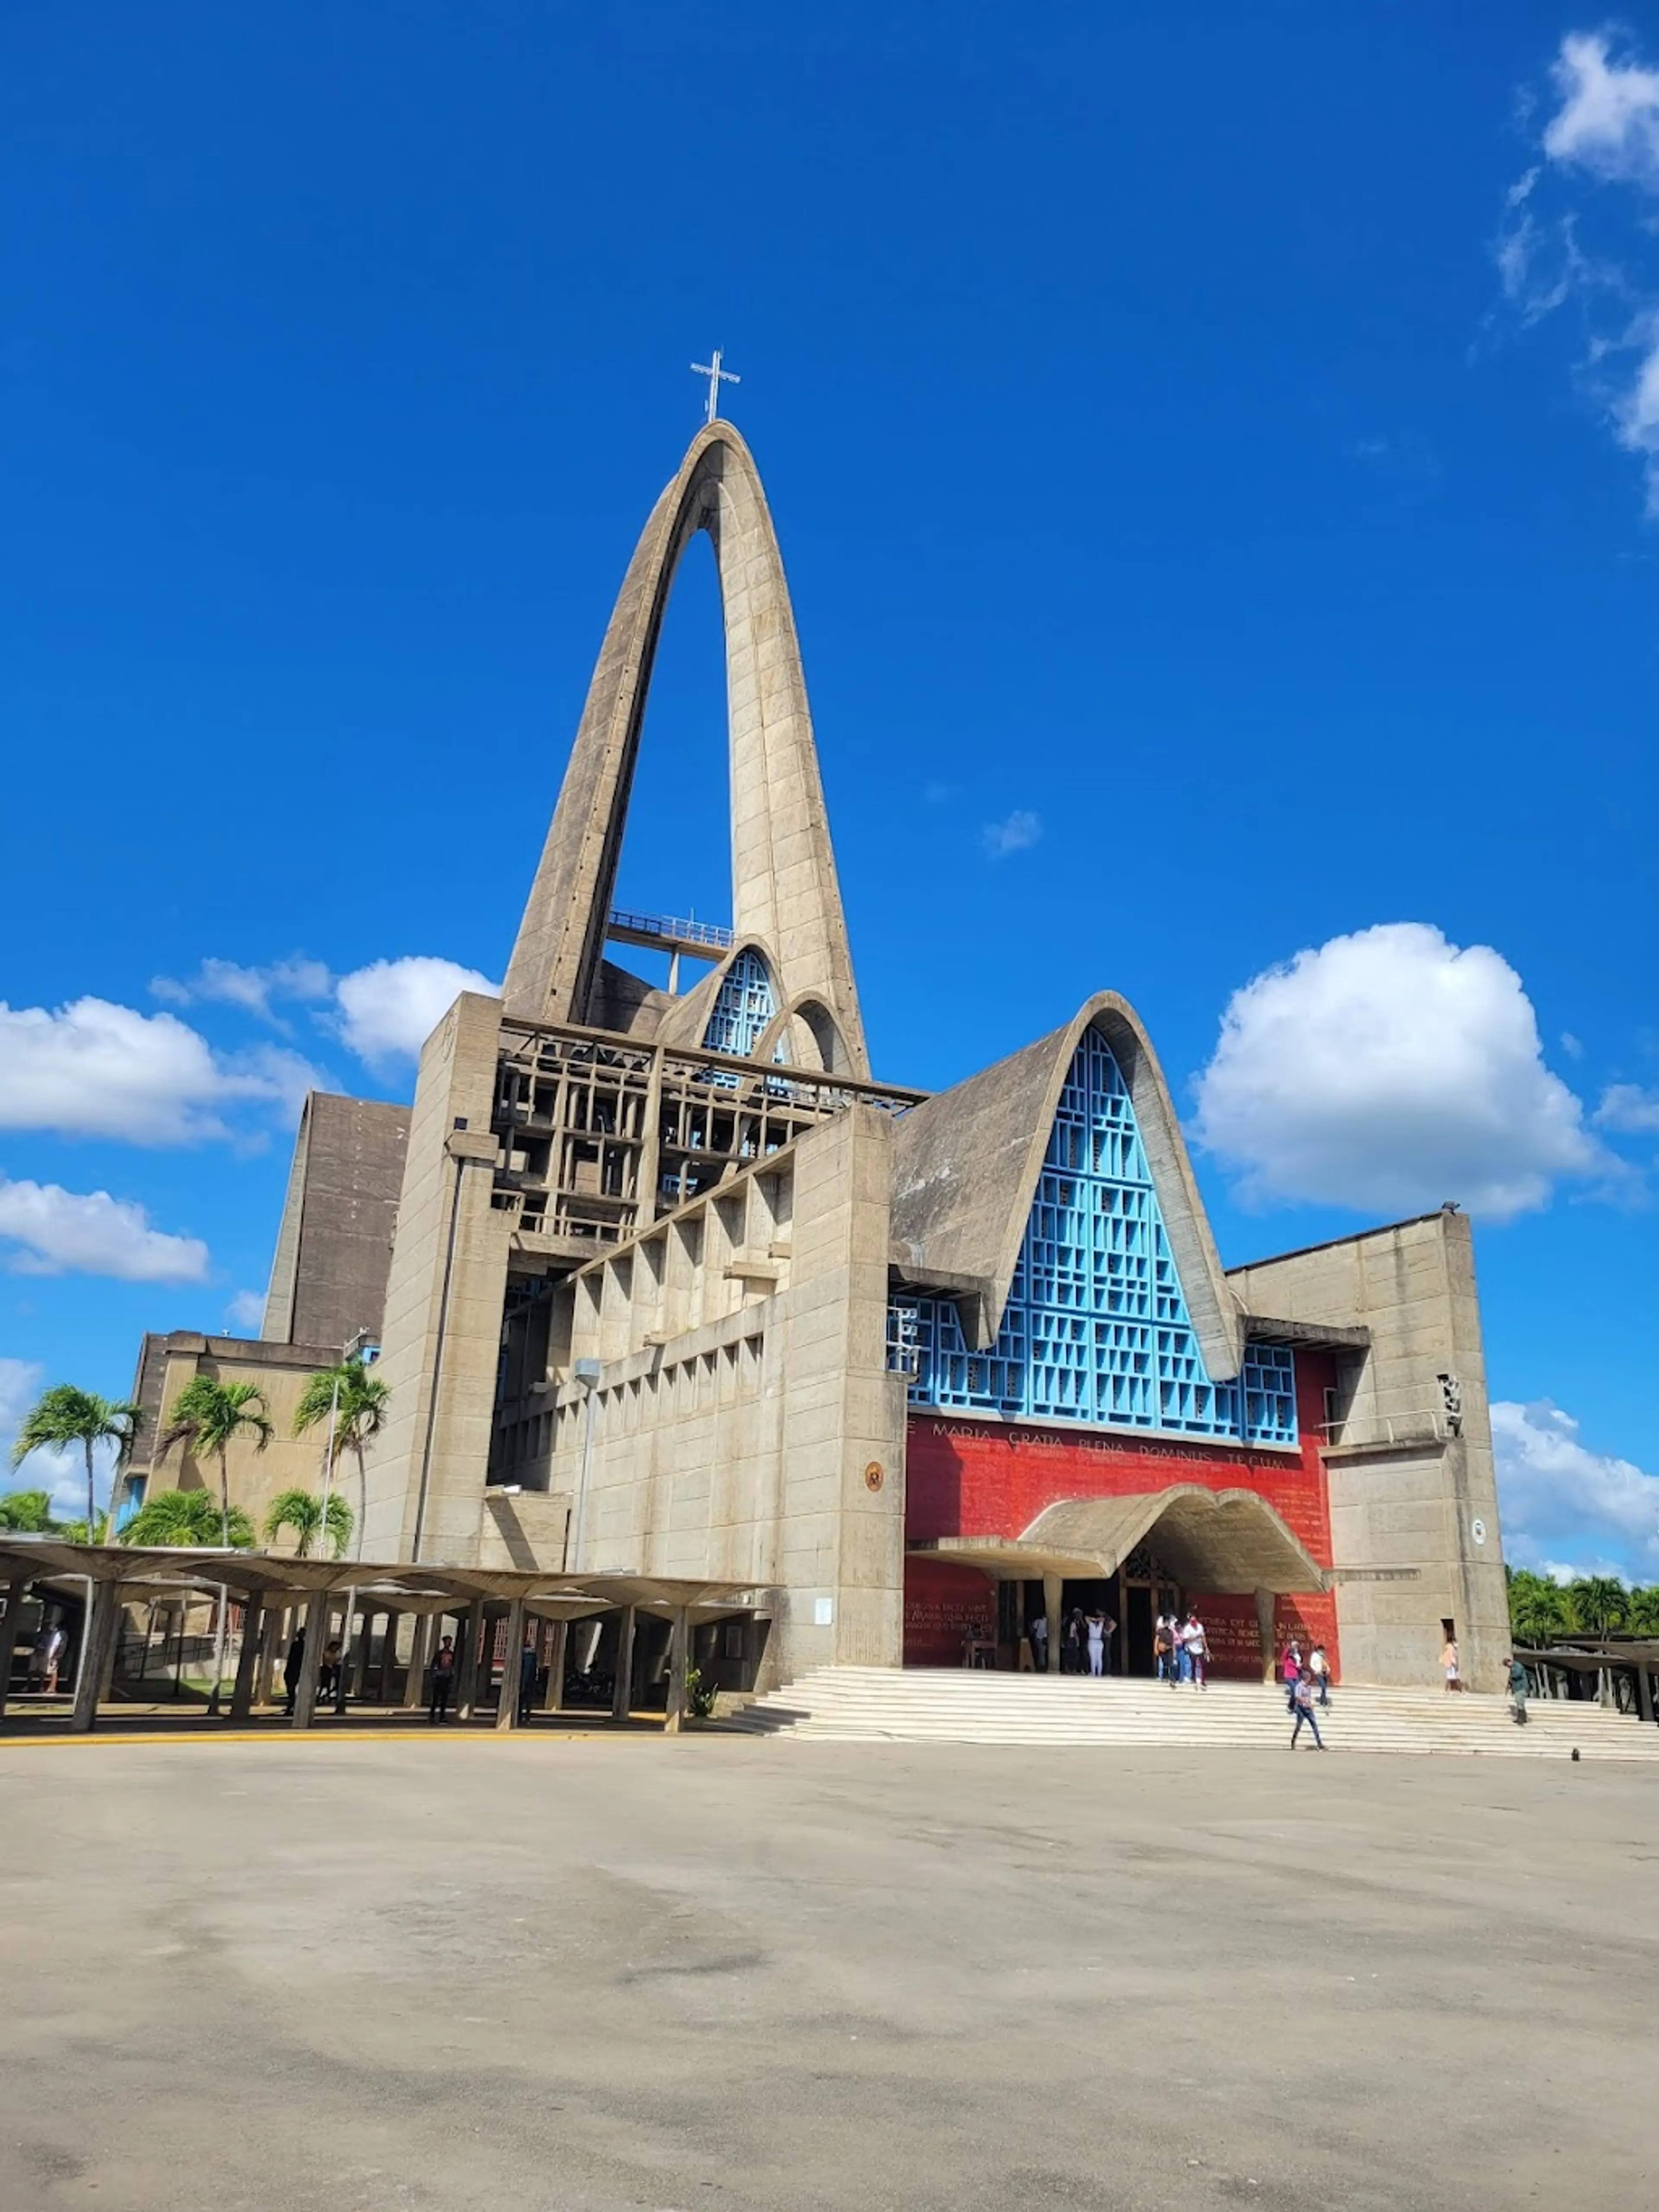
(874, 1476)
(1478, 1530)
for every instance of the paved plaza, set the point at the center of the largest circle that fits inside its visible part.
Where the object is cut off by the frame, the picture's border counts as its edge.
(556, 1975)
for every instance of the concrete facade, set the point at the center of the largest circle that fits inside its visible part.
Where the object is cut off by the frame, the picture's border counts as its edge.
(1413, 1499)
(642, 1310)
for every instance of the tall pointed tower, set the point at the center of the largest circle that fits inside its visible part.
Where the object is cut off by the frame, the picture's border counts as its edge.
(568, 1115)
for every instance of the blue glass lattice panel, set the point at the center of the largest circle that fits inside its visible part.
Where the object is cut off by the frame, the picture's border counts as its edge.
(743, 1007)
(1096, 1327)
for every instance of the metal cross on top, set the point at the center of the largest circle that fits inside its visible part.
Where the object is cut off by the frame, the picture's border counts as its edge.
(716, 376)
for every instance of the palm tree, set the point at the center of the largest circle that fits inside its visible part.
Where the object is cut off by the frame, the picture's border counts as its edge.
(1538, 1608)
(1644, 1610)
(353, 1403)
(304, 1512)
(1600, 1603)
(27, 1512)
(187, 1517)
(66, 1416)
(210, 1416)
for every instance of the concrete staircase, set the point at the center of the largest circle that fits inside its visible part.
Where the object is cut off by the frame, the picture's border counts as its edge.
(878, 1705)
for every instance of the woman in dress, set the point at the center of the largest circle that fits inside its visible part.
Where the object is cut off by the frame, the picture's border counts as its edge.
(1448, 1665)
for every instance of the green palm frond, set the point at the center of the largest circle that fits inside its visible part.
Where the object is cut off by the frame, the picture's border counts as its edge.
(185, 1516)
(303, 1511)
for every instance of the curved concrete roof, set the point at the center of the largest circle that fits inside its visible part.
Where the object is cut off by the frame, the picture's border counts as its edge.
(966, 1163)
(784, 889)
(1222, 1541)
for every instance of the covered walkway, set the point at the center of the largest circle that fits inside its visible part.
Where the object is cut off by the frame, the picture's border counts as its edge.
(373, 1627)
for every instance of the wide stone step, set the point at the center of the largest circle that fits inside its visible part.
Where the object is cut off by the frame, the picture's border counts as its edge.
(879, 1705)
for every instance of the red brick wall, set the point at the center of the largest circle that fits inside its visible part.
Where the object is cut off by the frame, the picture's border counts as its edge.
(941, 1602)
(973, 1478)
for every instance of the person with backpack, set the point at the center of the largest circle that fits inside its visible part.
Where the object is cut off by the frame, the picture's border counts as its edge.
(443, 1680)
(1301, 1705)
(1518, 1687)
(1164, 1647)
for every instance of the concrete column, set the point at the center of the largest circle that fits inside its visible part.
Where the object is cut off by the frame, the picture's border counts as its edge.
(317, 1619)
(386, 1680)
(420, 1648)
(1264, 1618)
(466, 1690)
(247, 1663)
(558, 1645)
(98, 1633)
(622, 1696)
(10, 1620)
(507, 1713)
(679, 1658)
(1644, 1689)
(277, 1634)
(1052, 1591)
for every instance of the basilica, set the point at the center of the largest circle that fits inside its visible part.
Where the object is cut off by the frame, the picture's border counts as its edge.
(668, 1281)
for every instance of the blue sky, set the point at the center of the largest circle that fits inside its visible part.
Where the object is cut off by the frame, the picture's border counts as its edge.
(1212, 459)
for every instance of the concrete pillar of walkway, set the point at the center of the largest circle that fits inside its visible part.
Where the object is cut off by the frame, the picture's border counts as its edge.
(507, 1713)
(10, 1621)
(363, 1656)
(318, 1614)
(247, 1663)
(558, 1645)
(1264, 1619)
(385, 1678)
(420, 1648)
(1644, 1689)
(622, 1695)
(679, 1658)
(1054, 1588)
(275, 1642)
(466, 1690)
(101, 1627)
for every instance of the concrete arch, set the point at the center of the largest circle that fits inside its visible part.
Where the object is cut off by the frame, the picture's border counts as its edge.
(784, 888)
(966, 1164)
(687, 1016)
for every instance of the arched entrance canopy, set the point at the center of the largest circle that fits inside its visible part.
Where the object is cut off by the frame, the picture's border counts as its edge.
(1215, 1541)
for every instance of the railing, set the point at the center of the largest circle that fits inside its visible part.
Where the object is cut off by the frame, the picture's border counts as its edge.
(667, 926)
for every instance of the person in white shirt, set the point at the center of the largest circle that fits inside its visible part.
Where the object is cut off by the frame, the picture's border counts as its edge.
(1196, 1649)
(1319, 1667)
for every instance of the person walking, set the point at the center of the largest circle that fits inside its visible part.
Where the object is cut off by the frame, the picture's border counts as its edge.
(1193, 1643)
(1301, 1705)
(1290, 1670)
(1517, 1691)
(443, 1682)
(529, 1670)
(1448, 1665)
(1319, 1667)
(1163, 1643)
(293, 1667)
(1039, 1635)
(48, 1657)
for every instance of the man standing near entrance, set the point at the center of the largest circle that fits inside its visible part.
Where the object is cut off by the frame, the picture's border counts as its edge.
(1038, 1632)
(529, 1668)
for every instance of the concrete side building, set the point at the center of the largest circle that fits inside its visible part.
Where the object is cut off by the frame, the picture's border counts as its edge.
(677, 1287)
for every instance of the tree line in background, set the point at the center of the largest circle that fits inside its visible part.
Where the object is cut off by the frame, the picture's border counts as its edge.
(1542, 1611)
(345, 1400)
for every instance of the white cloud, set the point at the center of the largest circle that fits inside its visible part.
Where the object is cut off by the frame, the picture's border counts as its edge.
(1606, 128)
(1568, 1510)
(1608, 119)
(53, 1231)
(1017, 833)
(1627, 1106)
(244, 1315)
(94, 1069)
(250, 989)
(1390, 1071)
(390, 1008)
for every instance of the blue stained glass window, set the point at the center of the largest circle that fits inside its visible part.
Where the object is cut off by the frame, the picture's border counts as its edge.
(743, 1007)
(1096, 1328)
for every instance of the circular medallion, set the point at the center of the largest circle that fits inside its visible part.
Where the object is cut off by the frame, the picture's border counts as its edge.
(874, 1476)
(1478, 1530)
